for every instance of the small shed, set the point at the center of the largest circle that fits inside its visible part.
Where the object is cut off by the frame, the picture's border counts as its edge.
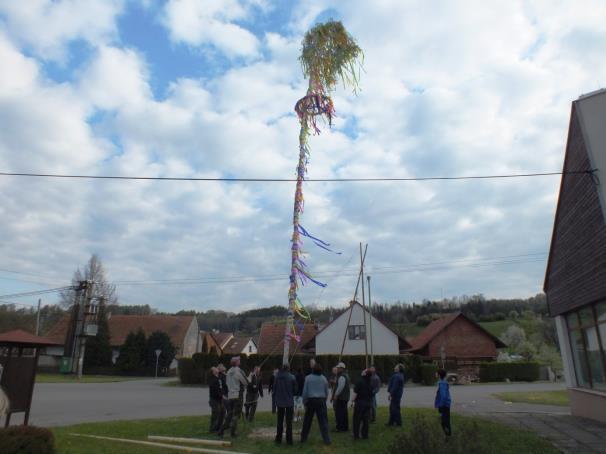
(19, 352)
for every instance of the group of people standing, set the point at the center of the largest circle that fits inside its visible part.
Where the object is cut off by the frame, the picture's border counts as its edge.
(291, 392)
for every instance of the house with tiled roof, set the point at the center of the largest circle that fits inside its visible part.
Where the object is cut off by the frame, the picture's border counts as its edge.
(240, 346)
(182, 330)
(455, 337)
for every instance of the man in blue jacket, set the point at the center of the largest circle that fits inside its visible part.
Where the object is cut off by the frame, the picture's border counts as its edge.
(395, 390)
(442, 402)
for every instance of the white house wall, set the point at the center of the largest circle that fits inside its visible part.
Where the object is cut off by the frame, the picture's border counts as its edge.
(250, 348)
(191, 342)
(330, 340)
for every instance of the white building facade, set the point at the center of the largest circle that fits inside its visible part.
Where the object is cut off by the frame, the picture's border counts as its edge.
(354, 327)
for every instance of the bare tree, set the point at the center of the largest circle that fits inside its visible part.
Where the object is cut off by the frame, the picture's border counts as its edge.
(95, 272)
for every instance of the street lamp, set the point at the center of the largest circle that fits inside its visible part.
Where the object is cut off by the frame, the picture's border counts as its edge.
(158, 352)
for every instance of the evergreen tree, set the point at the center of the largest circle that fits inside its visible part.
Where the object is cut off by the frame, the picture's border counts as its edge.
(159, 340)
(132, 353)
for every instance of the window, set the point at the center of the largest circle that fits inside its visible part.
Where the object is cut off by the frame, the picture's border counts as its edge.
(587, 331)
(250, 349)
(357, 332)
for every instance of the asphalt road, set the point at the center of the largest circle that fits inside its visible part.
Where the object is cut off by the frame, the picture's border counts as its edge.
(57, 404)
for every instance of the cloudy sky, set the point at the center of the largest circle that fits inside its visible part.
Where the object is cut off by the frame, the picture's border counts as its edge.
(201, 88)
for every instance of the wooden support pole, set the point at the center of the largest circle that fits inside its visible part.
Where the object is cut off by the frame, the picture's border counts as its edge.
(198, 441)
(157, 445)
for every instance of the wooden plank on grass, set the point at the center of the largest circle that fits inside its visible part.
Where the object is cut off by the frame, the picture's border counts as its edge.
(199, 441)
(158, 445)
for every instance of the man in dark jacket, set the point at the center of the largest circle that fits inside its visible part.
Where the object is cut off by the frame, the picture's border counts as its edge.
(362, 399)
(253, 391)
(285, 386)
(215, 391)
(395, 390)
(341, 398)
(375, 384)
(270, 390)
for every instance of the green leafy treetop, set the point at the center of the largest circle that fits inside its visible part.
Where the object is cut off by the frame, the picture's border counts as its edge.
(329, 53)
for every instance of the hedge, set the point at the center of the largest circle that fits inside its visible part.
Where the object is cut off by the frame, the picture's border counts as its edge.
(26, 439)
(514, 371)
(196, 370)
(428, 374)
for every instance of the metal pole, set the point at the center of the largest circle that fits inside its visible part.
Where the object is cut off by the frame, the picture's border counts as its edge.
(158, 352)
(38, 317)
(372, 352)
(364, 303)
(87, 304)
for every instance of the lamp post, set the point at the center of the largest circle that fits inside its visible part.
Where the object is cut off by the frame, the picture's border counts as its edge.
(158, 353)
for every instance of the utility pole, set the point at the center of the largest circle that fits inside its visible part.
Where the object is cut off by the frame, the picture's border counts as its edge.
(38, 317)
(372, 352)
(363, 301)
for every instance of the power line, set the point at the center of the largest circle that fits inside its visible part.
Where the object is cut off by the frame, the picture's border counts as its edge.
(377, 271)
(38, 292)
(288, 180)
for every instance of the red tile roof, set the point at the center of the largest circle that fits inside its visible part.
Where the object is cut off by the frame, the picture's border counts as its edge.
(272, 335)
(20, 337)
(175, 326)
(236, 345)
(120, 326)
(221, 338)
(58, 332)
(437, 326)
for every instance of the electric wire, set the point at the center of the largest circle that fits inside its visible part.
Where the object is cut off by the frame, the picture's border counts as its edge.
(289, 180)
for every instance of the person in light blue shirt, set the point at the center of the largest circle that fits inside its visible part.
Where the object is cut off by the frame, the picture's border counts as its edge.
(443, 401)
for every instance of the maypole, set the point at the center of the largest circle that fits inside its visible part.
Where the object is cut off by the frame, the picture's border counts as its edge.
(329, 53)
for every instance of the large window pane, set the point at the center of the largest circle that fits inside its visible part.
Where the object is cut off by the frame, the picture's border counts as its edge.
(586, 316)
(595, 358)
(580, 362)
(601, 311)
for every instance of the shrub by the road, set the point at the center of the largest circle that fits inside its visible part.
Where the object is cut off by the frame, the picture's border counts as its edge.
(515, 371)
(26, 440)
(428, 374)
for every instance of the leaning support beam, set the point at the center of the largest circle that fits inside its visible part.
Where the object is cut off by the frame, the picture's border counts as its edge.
(199, 441)
(158, 445)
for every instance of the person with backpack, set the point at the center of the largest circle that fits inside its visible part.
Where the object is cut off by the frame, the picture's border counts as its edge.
(443, 401)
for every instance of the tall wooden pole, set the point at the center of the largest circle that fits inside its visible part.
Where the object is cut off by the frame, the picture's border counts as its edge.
(364, 303)
(372, 352)
(38, 317)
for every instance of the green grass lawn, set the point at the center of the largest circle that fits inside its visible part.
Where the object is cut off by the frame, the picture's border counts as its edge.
(537, 397)
(68, 378)
(496, 437)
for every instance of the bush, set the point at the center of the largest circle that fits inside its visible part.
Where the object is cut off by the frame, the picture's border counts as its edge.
(425, 436)
(195, 370)
(26, 440)
(515, 371)
(428, 374)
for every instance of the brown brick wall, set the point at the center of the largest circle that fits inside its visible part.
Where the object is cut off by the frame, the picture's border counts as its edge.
(577, 271)
(462, 339)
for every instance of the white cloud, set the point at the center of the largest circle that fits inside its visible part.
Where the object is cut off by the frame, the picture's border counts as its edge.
(448, 89)
(47, 27)
(212, 23)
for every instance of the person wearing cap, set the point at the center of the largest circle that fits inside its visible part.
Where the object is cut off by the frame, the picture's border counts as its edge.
(340, 398)
(236, 382)
(285, 386)
(395, 390)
